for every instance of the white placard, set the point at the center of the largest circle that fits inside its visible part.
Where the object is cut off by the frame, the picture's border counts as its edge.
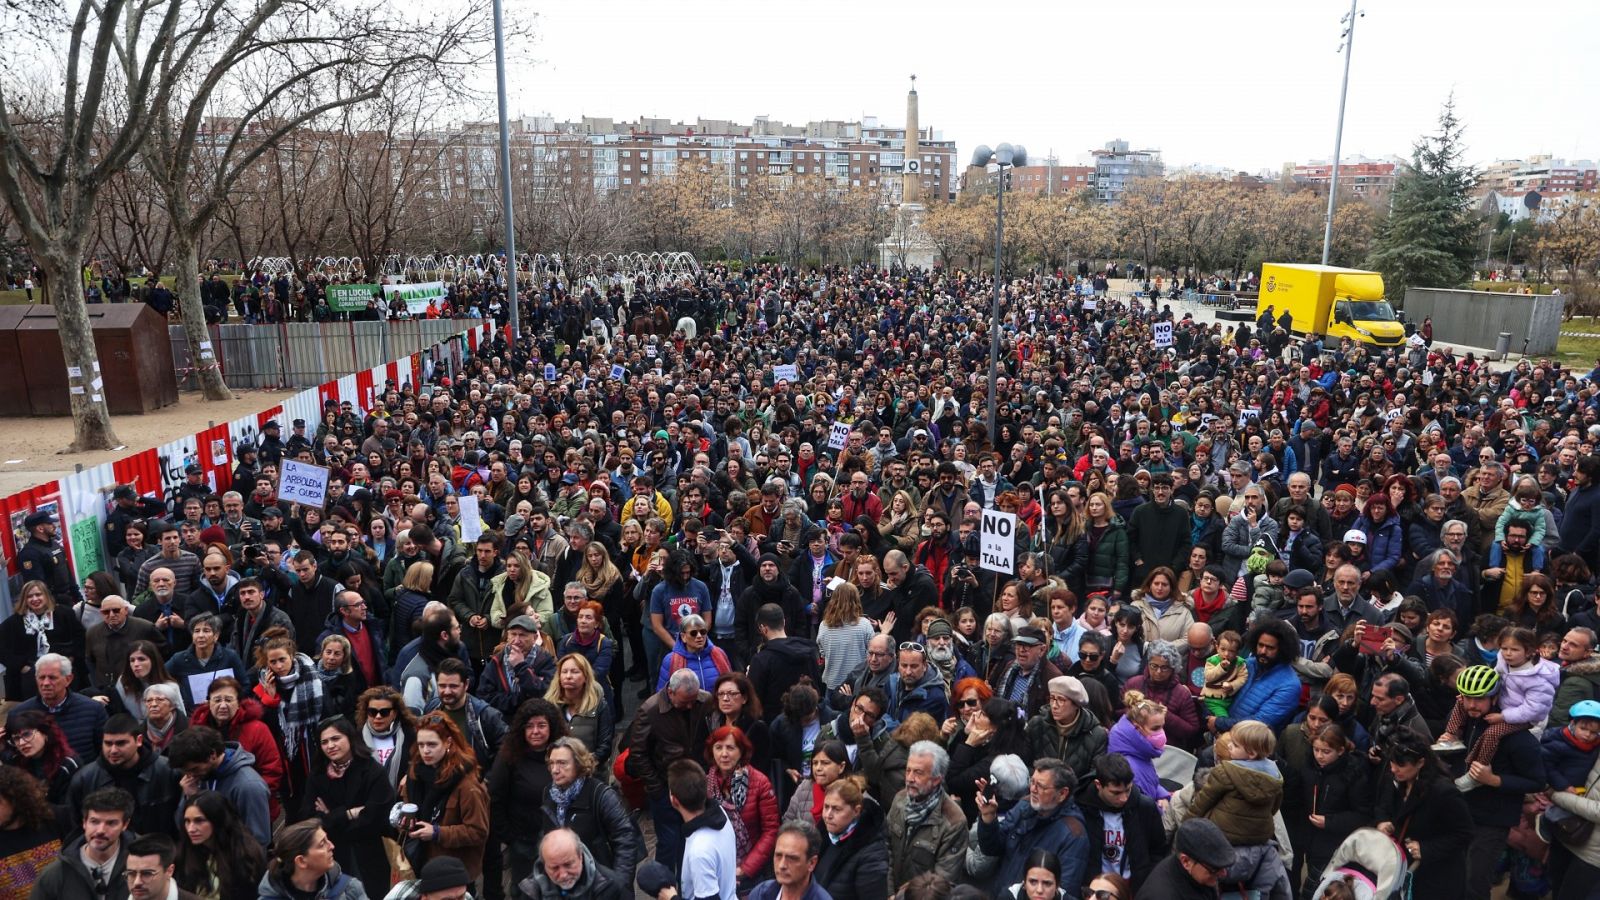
(618, 373)
(471, 519)
(1090, 303)
(650, 351)
(839, 435)
(549, 371)
(303, 483)
(997, 542)
(785, 373)
(1162, 334)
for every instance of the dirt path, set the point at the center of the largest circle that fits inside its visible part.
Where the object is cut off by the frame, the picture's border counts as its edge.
(29, 447)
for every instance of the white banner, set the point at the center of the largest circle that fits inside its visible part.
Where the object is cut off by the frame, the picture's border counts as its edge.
(997, 541)
(785, 373)
(303, 483)
(416, 296)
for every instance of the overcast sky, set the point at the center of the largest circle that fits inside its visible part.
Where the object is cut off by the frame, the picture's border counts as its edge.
(1248, 84)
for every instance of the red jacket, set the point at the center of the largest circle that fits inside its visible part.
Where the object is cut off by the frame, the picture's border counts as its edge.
(870, 506)
(760, 815)
(251, 733)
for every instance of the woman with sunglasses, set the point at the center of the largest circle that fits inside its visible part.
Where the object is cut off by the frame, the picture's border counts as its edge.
(694, 650)
(387, 729)
(991, 729)
(351, 794)
(1423, 812)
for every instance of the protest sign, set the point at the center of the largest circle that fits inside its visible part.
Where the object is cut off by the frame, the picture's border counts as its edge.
(303, 483)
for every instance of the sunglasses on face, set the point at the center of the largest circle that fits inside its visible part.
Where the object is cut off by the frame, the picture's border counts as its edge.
(698, 632)
(380, 711)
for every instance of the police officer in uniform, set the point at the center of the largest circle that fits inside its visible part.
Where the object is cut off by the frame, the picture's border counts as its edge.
(127, 506)
(297, 441)
(271, 445)
(194, 485)
(244, 474)
(42, 559)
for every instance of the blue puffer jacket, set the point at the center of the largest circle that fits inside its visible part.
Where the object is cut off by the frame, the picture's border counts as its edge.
(1269, 696)
(1385, 540)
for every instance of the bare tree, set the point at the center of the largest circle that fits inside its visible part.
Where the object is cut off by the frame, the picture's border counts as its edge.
(279, 66)
(59, 148)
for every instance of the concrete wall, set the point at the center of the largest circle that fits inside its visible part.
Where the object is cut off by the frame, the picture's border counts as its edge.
(1476, 318)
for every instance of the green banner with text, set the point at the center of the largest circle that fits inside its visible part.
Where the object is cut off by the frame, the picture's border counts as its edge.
(350, 297)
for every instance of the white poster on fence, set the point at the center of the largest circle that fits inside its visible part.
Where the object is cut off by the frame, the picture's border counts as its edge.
(416, 296)
(997, 542)
(303, 483)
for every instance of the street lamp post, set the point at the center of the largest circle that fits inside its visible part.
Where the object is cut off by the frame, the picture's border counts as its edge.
(1003, 156)
(505, 172)
(1348, 47)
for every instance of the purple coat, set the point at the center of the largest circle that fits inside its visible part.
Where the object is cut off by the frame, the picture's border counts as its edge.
(1129, 741)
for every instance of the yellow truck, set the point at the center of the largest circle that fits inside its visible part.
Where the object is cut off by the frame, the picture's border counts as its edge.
(1327, 300)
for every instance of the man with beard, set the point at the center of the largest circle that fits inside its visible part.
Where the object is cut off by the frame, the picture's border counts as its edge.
(942, 654)
(1049, 819)
(781, 661)
(254, 617)
(567, 871)
(440, 640)
(769, 587)
(91, 866)
(126, 763)
(338, 554)
(926, 827)
(161, 606)
(916, 687)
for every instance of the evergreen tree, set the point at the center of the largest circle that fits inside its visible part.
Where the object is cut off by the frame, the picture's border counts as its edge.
(1429, 238)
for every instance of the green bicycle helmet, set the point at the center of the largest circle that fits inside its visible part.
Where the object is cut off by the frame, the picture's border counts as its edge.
(1477, 681)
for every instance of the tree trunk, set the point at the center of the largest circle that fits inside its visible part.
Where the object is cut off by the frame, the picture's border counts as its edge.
(91, 418)
(208, 370)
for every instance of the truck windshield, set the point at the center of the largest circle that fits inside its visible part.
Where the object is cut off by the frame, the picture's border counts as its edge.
(1369, 310)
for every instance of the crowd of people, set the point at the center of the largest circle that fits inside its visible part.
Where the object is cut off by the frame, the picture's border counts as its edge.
(615, 607)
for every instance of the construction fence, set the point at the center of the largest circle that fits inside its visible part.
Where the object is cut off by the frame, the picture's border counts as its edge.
(81, 501)
(306, 354)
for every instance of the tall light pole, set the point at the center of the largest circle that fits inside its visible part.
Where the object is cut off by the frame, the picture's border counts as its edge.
(505, 170)
(1003, 156)
(1349, 22)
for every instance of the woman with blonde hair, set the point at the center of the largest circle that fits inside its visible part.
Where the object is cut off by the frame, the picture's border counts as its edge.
(35, 628)
(452, 816)
(519, 585)
(341, 680)
(409, 599)
(900, 526)
(843, 635)
(582, 699)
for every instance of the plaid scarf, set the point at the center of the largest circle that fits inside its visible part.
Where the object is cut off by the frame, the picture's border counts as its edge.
(732, 791)
(918, 811)
(299, 706)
